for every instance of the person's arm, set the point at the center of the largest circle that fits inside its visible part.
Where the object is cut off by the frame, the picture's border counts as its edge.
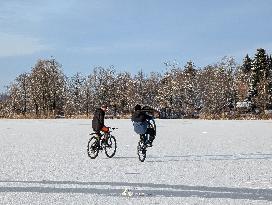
(100, 119)
(147, 117)
(133, 117)
(102, 116)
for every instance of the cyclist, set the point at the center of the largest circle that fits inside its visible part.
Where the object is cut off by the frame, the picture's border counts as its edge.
(140, 121)
(98, 121)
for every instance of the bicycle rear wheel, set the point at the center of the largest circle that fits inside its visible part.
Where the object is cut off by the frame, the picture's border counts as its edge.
(141, 151)
(110, 146)
(93, 147)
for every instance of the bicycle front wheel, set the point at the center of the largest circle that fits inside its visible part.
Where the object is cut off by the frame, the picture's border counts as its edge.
(93, 147)
(110, 146)
(141, 151)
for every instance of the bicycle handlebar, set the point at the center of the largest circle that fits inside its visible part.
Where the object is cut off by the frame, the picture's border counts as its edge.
(113, 128)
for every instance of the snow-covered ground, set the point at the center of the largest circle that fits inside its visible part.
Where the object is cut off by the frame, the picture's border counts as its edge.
(191, 162)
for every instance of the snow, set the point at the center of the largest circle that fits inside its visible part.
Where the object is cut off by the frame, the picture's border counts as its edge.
(244, 104)
(191, 162)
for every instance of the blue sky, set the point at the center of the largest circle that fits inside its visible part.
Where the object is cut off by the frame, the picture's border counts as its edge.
(129, 34)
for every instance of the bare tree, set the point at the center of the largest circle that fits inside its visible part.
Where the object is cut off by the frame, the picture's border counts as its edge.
(47, 87)
(75, 95)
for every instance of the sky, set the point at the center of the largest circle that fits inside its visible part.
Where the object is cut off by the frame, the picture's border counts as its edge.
(130, 35)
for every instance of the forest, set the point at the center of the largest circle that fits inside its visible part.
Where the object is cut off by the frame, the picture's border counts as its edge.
(224, 90)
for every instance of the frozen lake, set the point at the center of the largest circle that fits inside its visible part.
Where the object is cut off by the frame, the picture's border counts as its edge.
(191, 162)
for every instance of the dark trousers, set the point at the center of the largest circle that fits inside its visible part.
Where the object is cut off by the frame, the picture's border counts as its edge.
(151, 133)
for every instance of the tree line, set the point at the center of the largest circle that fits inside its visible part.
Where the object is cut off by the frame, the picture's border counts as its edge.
(222, 90)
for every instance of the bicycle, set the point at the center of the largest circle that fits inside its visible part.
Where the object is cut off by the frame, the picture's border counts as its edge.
(106, 142)
(143, 142)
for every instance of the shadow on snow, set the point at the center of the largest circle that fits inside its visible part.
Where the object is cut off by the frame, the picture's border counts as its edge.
(146, 189)
(223, 157)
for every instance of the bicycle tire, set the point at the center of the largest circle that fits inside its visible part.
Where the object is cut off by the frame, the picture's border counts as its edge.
(93, 147)
(141, 151)
(110, 146)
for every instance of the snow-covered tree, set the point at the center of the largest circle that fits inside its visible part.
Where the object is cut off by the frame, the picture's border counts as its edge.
(217, 85)
(165, 96)
(19, 95)
(247, 64)
(4, 105)
(139, 88)
(259, 86)
(103, 85)
(269, 103)
(241, 85)
(75, 95)
(242, 79)
(88, 96)
(47, 87)
(151, 90)
(178, 92)
(123, 100)
(191, 100)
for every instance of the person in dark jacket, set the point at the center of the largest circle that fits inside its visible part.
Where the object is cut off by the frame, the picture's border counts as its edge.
(98, 120)
(140, 123)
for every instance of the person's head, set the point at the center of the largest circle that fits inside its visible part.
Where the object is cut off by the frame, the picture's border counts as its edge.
(137, 107)
(104, 107)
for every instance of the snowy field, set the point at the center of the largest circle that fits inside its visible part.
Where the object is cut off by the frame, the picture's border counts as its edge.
(191, 162)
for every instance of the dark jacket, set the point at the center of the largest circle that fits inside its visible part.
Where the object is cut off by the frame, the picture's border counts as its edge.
(98, 119)
(140, 116)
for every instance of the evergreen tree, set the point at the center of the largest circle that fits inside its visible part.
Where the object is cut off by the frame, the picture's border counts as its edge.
(230, 68)
(259, 81)
(269, 76)
(241, 84)
(247, 64)
(178, 92)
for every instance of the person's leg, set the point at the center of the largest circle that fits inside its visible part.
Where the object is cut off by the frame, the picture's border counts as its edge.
(144, 138)
(98, 135)
(105, 134)
(105, 129)
(151, 133)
